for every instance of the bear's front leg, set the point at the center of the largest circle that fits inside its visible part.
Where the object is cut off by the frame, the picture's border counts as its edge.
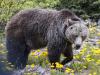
(55, 46)
(54, 53)
(68, 53)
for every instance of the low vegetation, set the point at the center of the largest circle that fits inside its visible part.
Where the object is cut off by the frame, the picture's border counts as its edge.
(86, 62)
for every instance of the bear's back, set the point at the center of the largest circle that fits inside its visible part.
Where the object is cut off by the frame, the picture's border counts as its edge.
(26, 16)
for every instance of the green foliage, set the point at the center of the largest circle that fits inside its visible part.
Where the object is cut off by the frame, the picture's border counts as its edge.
(80, 7)
(10, 7)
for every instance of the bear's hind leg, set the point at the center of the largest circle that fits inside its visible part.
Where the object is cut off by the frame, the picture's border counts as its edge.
(17, 52)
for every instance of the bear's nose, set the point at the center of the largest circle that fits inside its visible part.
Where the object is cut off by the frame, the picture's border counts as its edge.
(78, 46)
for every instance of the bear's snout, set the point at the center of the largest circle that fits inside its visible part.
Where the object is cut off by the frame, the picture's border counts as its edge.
(77, 46)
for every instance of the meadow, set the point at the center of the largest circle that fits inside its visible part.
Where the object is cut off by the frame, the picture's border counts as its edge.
(85, 62)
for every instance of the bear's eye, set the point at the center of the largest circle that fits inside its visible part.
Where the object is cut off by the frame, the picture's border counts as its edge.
(75, 36)
(71, 27)
(83, 37)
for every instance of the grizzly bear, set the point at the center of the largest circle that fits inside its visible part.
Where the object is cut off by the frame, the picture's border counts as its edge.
(38, 28)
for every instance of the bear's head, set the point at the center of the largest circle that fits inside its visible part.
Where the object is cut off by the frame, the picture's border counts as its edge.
(74, 29)
(77, 33)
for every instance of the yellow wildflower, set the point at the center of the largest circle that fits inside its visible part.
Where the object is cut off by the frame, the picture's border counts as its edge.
(36, 56)
(52, 65)
(77, 56)
(94, 73)
(28, 73)
(74, 57)
(96, 51)
(72, 74)
(68, 70)
(32, 53)
(38, 50)
(92, 29)
(84, 66)
(83, 50)
(27, 65)
(72, 71)
(90, 74)
(32, 65)
(44, 54)
(88, 56)
(98, 62)
(98, 42)
(88, 59)
(58, 65)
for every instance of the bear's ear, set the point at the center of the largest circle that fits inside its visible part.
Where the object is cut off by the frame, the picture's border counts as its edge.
(71, 22)
(66, 13)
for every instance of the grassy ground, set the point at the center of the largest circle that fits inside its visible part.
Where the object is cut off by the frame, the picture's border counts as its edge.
(86, 62)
